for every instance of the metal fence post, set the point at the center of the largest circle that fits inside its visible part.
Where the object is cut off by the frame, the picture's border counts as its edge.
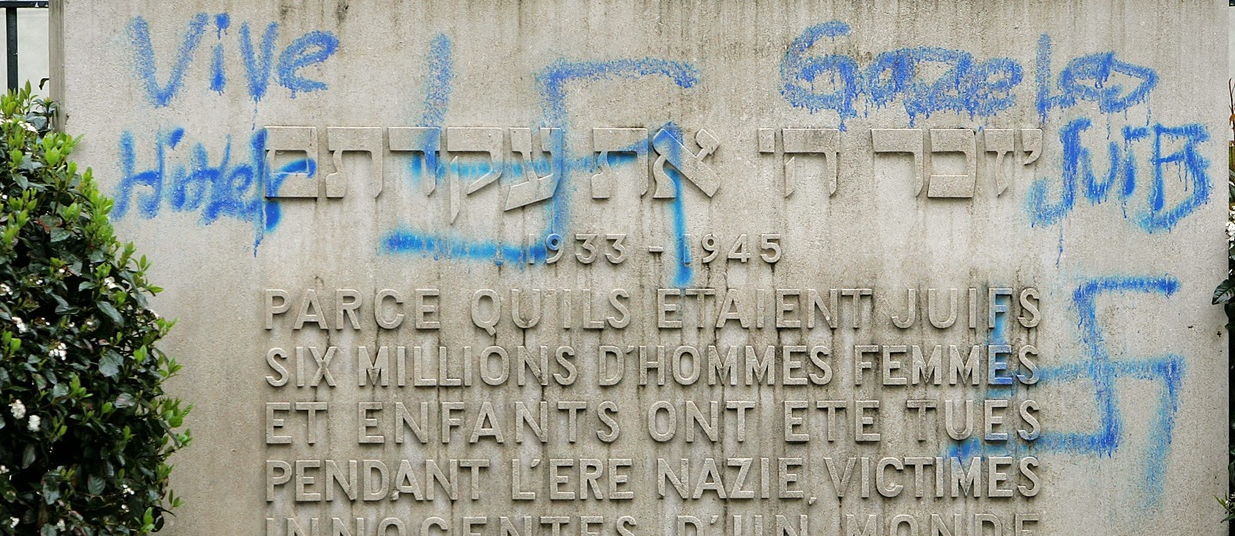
(10, 34)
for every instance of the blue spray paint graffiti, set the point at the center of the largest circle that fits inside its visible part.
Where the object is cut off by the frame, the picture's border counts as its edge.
(440, 69)
(684, 273)
(1099, 367)
(256, 66)
(967, 85)
(444, 246)
(1195, 168)
(437, 87)
(143, 52)
(1104, 371)
(1078, 172)
(979, 88)
(1115, 86)
(554, 79)
(836, 82)
(218, 80)
(1095, 78)
(552, 84)
(307, 50)
(233, 189)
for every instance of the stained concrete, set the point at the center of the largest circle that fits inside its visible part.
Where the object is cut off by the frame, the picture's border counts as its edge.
(681, 184)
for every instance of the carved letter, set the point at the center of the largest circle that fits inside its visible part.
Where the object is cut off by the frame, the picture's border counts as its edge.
(767, 140)
(363, 139)
(618, 140)
(535, 188)
(954, 140)
(690, 164)
(476, 140)
(1031, 142)
(811, 141)
(1001, 142)
(901, 140)
(292, 139)
(932, 308)
(424, 140)
(912, 315)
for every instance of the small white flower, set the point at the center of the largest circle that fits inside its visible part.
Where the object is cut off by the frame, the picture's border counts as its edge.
(3, 469)
(13, 522)
(33, 425)
(57, 351)
(124, 507)
(4, 288)
(17, 409)
(126, 489)
(25, 125)
(60, 525)
(90, 323)
(17, 323)
(110, 284)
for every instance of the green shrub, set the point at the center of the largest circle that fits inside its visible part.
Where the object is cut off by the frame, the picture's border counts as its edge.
(85, 428)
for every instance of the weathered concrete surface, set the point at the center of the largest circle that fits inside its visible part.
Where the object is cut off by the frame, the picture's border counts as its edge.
(1115, 378)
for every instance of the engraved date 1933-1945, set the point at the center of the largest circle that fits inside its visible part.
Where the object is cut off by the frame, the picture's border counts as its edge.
(593, 248)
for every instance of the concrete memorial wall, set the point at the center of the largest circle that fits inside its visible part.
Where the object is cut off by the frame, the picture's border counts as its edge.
(675, 268)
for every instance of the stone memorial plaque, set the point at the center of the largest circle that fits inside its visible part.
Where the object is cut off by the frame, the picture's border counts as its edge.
(675, 268)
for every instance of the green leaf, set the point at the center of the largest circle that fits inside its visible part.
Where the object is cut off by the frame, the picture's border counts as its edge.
(94, 485)
(51, 491)
(1225, 292)
(28, 164)
(110, 364)
(27, 457)
(111, 312)
(62, 306)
